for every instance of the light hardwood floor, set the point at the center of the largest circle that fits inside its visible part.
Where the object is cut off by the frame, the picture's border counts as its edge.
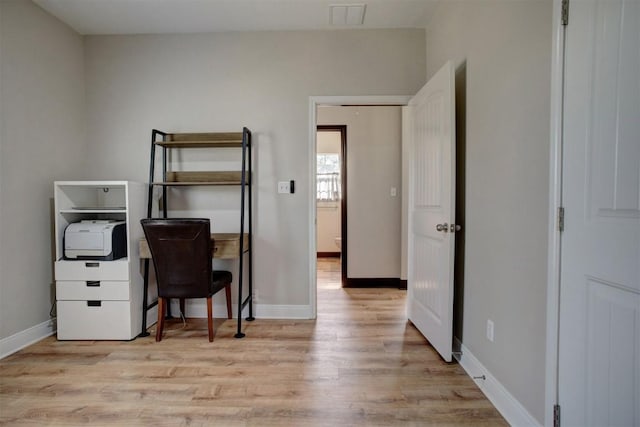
(359, 364)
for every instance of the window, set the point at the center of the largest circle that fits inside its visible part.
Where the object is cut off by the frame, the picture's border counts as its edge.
(328, 177)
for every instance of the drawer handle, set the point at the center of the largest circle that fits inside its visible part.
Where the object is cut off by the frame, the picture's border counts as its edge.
(93, 283)
(92, 264)
(94, 303)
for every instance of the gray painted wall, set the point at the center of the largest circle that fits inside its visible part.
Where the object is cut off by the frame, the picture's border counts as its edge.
(41, 140)
(218, 82)
(263, 80)
(506, 47)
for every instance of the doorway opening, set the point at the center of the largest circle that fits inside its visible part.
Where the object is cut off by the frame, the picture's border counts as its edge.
(314, 103)
(331, 205)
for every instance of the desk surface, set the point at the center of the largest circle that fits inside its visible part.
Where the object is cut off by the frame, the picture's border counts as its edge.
(226, 245)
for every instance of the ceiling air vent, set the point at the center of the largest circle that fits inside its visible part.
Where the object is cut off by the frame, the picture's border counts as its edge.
(347, 14)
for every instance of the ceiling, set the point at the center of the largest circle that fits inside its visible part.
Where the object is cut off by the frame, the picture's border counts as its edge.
(193, 16)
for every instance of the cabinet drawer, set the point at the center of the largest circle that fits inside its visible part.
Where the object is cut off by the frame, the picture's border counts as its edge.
(92, 270)
(104, 290)
(95, 320)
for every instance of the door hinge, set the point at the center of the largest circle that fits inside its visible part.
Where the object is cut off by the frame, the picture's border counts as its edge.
(561, 219)
(556, 415)
(565, 12)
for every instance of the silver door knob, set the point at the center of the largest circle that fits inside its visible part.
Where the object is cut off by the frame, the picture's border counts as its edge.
(455, 227)
(442, 227)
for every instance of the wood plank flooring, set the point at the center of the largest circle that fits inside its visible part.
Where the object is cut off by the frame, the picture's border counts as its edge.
(359, 364)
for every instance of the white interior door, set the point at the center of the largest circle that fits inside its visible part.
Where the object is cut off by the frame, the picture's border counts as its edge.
(431, 210)
(599, 345)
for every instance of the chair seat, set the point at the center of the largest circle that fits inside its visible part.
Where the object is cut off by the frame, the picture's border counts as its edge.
(220, 279)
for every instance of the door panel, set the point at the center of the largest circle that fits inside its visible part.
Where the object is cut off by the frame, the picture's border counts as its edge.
(432, 202)
(613, 317)
(599, 346)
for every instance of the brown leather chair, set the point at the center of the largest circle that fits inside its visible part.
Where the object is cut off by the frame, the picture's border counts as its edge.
(181, 251)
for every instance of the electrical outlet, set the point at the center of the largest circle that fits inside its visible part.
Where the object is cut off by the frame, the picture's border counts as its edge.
(490, 330)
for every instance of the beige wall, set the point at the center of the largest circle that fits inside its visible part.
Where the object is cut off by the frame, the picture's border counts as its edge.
(374, 148)
(216, 82)
(41, 140)
(505, 47)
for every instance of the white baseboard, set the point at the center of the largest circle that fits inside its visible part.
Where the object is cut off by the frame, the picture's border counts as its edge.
(505, 403)
(36, 333)
(22, 339)
(152, 315)
(198, 309)
(273, 311)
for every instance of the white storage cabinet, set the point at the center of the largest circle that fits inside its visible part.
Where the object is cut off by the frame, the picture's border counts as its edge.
(99, 300)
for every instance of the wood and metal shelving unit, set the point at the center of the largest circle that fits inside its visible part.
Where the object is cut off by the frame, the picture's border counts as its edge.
(244, 239)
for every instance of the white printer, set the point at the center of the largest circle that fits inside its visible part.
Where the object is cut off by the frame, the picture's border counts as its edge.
(103, 240)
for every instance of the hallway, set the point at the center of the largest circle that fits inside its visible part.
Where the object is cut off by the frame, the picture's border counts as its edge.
(328, 274)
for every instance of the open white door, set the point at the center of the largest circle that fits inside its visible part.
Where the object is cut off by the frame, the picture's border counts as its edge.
(431, 210)
(599, 335)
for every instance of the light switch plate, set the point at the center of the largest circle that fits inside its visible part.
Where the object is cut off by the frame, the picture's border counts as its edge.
(284, 187)
(490, 330)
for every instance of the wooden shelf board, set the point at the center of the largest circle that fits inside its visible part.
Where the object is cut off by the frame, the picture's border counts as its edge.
(194, 184)
(204, 140)
(199, 144)
(226, 245)
(204, 178)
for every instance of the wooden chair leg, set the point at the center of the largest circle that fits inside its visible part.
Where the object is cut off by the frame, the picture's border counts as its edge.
(182, 310)
(227, 290)
(160, 324)
(210, 317)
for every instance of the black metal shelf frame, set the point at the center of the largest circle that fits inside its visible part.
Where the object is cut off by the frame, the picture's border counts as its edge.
(245, 187)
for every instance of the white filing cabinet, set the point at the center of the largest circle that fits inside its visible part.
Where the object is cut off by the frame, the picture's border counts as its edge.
(99, 300)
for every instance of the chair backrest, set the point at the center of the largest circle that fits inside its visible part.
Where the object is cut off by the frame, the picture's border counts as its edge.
(181, 253)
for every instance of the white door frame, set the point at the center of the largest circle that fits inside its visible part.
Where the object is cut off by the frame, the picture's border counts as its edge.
(314, 102)
(555, 200)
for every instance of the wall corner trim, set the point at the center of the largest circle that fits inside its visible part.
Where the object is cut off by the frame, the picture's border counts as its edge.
(22, 339)
(508, 406)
